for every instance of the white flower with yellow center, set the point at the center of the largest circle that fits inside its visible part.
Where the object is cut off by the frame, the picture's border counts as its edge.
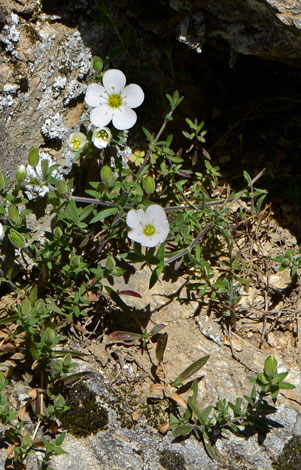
(114, 101)
(148, 227)
(76, 141)
(101, 137)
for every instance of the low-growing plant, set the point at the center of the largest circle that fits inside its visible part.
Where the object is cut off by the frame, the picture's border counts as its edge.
(290, 260)
(216, 420)
(168, 202)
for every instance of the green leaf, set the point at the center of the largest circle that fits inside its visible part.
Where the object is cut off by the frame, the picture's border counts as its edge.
(33, 295)
(161, 345)
(71, 212)
(124, 336)
(114, 296)
(247, 177)
(155, 275)
(103, 214)
(160, 252)
(148, 134)
(182, 430)
(279, 377)
(192, 369)
(286, 386)
(208, 446)
(25, 307)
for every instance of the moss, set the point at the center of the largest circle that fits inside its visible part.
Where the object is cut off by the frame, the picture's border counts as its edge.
(85, 416)
(172, 460)
(153, 413)
(290, 459)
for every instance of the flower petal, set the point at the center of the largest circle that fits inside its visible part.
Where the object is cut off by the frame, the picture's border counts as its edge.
(163, 233)
(93, 94)
(101, 116)
(133, 95)
(144, 240)
(155, 214)
(114, 81)
(135, 219)
(124, 118)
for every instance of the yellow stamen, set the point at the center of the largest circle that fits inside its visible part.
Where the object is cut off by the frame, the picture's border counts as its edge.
(149, 230)
(115, 101)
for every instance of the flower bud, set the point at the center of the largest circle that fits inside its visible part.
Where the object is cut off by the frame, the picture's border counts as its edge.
(101, 137)
(97, 64)
(57, 232)
(21, 173)
(76, 141)
(285, 263)
(106, 174)
(75, 261)
(33, 157)
(149, 185)
(270, 366)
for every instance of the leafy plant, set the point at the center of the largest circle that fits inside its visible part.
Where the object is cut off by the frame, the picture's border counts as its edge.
(224, 416)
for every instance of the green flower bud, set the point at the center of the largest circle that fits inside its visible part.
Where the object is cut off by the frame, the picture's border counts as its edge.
(57, 232)
(75, 261)
(16, 239)
(97, 64)
(270, 367)
(44, 167)
(21, 173)
(33, 156)
(106, 174)
(285, 263)
(149, 185)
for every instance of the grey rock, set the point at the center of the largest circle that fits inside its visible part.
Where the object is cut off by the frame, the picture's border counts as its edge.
(269, 29)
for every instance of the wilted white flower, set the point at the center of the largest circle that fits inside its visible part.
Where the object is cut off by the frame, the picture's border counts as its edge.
(114, 101)
(1, 232)
(101, 137)
(148, 227)
(76, 141)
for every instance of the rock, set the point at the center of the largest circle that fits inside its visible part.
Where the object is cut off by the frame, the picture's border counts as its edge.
(269, 29)
(42, 75)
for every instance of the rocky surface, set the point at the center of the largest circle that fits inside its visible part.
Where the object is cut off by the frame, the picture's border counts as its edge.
(43, 67)
(269, 29)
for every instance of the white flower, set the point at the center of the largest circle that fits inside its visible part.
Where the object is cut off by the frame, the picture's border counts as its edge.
(149, 227)
(77, 141)
(101, 137)
(114, 101)
(1, 232)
